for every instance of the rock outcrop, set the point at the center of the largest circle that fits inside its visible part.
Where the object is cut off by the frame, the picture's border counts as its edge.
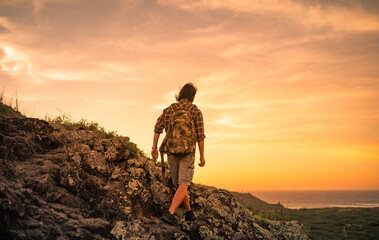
(65, 184)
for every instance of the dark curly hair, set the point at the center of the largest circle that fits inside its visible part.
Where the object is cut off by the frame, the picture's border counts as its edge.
(187, 91)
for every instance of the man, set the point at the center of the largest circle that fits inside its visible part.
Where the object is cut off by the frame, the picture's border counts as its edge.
(181, 166)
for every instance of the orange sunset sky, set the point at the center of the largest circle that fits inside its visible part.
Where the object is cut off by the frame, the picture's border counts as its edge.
(289, 89)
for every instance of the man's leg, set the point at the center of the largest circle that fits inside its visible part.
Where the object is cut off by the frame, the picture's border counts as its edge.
(186, 203)
(186, 169)
(184, 177)
(180, 195)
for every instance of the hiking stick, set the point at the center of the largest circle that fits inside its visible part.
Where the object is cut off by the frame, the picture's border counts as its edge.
(163, 168)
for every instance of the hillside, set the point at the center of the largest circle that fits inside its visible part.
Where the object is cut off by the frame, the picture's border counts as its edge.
(256, 204)
(58, 182)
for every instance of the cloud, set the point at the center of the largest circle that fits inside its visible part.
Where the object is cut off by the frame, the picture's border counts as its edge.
(215, 85)
(112, 102)
(338, 17)
(225, 120)
(41, 98)
(241, 49)
(230, 106)
(105, 72)
(17, 63)
(13, 63)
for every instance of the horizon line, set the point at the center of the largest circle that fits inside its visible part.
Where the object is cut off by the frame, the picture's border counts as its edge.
(309, 190)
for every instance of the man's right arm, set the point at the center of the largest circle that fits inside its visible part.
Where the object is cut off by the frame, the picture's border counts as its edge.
(158, 129)
(199, 126)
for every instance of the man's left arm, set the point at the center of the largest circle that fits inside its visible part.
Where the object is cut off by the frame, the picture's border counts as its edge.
(201, 150)
(154, 150)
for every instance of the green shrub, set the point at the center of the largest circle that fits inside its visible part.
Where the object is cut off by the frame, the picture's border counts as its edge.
(10, 107)
(250, 207)
(8, 111)
(69, 124)
(311, 235)
(273, 214)
(133, 149)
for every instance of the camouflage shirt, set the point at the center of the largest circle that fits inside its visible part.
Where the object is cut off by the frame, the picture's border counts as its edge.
(164, 119)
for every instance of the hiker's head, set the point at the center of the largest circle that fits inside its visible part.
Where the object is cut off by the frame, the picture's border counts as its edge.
(187, 91)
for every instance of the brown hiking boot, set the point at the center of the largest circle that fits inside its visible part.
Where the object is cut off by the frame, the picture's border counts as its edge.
(190, 216)
(169, 218)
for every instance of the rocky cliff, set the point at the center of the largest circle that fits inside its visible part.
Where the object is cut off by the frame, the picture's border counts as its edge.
(60, 183)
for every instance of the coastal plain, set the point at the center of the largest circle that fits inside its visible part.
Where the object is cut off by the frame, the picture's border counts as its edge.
(321, 223)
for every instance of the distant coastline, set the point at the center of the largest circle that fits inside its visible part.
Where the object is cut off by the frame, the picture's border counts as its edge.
(321, 198)
(325, 214)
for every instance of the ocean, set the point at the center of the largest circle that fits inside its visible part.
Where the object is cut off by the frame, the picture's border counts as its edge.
(321, 199)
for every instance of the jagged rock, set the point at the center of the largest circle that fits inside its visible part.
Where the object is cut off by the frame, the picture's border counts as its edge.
(66, 184)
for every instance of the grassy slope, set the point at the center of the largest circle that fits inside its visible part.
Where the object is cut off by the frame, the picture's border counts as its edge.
(254, 203)
(261, 208)
(338, 223)
(7, 111)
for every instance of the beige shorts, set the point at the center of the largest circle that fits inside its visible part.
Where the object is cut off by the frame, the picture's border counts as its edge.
(181, 168)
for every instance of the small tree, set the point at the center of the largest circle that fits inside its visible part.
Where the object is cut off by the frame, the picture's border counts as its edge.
(16, 103)
(2, 95)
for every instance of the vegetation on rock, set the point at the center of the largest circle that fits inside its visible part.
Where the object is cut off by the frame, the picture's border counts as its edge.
(66, 122)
